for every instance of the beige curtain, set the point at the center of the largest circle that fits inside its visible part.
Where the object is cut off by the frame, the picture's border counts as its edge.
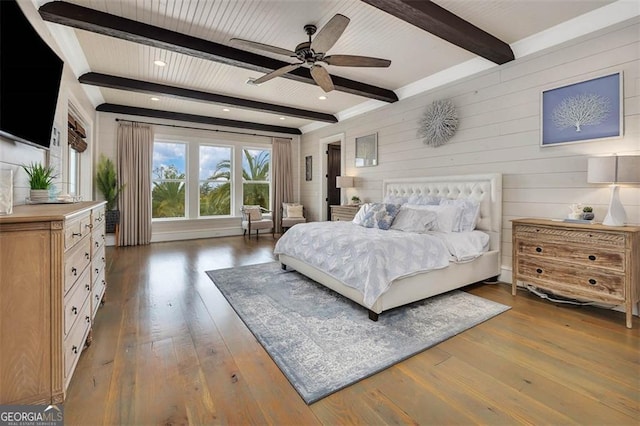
(282, 178)
(135, 152)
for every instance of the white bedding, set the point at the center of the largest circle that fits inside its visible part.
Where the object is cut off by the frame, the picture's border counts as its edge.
(369, 259)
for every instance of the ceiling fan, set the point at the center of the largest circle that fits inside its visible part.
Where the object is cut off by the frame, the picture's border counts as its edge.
(313, 52)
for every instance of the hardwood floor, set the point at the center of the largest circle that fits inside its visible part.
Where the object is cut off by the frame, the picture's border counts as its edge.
(168, 349)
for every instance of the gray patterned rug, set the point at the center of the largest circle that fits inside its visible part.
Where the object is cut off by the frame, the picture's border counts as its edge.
(324, 342)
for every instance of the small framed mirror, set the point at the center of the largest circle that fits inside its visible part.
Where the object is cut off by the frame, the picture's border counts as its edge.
(367, 150)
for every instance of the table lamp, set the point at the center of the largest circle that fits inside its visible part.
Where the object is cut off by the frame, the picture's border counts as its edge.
(614, 170)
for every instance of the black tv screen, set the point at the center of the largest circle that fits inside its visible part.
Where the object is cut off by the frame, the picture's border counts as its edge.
(30, 74)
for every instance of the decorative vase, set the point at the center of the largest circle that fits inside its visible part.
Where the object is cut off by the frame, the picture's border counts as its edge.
(588, 216)
(39, 195)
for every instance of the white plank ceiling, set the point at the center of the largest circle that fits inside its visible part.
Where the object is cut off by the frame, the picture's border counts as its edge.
(415, 54)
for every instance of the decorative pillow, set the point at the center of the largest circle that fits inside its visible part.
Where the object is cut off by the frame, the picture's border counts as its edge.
(446, 216)
(410, 219)
(294, 211)
(284, 208)
(380, 215)
(362, 211)
(429, 200)
(469, 213)
(254, 212)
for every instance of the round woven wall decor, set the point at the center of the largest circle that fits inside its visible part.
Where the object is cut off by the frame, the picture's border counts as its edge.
(439, 123)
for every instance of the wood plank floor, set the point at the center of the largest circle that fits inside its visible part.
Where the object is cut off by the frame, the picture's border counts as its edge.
(168, 349)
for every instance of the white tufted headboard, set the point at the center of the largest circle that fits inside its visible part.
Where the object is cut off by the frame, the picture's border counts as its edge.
(485, 188)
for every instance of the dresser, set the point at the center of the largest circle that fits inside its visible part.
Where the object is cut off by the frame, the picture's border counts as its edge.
(586, 262)
(51, 283)
(345, 212)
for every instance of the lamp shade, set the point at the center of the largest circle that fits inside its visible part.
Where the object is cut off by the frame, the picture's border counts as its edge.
(614, 169)
(344, 181)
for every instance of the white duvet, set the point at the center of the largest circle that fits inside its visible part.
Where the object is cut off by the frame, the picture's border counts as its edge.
(369, 259)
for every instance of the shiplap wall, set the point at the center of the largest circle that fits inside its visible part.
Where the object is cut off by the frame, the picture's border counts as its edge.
(499, 131)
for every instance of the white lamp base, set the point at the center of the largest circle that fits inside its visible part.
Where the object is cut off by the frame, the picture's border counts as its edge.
(616, 215)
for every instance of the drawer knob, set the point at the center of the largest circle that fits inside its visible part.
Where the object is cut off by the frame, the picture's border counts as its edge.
(97, 297)
(76, 234)
(87, 319)
(87, 255)
(592, 257)
(74, 349)
(97, 244)
(74, 310)
(97, 270)
(592, 281)
(539, 270)
(88, 225)
(87, 287)
(539, 249)
(74, 271)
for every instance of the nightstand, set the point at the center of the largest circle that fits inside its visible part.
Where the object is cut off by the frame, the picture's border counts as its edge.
(344, 213)
(590, 262)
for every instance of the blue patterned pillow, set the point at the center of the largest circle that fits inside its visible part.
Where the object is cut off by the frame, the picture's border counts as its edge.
(380, 215)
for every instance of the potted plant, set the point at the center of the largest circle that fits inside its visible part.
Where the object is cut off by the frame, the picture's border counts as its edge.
(40, 180)
(355, 200)
(107, 182)
(587, 213)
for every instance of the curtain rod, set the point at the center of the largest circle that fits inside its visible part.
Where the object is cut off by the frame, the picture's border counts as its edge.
(201, 128)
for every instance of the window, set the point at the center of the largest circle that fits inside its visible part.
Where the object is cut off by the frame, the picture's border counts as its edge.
(200, 178)
(74, 172)
(256, 177)
(169, 181)
(215, 178)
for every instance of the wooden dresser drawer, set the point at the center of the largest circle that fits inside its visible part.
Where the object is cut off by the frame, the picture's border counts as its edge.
(76, 261)
(98, 239)
(98, 263)
(568, 236)
(76, 229)
(98, 217)
(584, 282)
(74, 342)
(75, 300)
(584, 255)
(99, 287)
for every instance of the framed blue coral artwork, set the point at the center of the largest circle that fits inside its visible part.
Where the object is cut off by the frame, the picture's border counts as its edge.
(581, 112)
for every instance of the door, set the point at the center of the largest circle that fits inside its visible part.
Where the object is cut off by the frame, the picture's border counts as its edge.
(333, 171)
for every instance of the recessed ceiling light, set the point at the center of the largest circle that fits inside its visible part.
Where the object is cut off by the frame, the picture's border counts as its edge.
(251, 82)
(155, 99)
(160, 63)
(226, 109)
(322, 98)
(282, 118)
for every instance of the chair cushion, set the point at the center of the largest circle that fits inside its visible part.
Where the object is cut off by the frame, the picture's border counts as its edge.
(253, 212)
(288, 222)
(294, 211)
(284, 208)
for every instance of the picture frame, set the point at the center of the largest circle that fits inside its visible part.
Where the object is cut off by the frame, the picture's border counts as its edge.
(585, 111)
(308, 165)
(367, 150)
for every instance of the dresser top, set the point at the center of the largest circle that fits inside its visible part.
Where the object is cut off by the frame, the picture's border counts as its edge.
(47, 212)
(560, 222)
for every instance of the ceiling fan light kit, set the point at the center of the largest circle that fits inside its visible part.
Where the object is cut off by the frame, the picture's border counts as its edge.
(313, 52)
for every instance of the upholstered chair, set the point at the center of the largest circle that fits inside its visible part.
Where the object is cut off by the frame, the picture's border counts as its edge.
(256, 218)
(292, 214)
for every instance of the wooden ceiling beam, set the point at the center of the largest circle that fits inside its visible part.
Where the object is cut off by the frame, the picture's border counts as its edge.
(68, 14)
(440, 22)
(193, 118)
(121, 83)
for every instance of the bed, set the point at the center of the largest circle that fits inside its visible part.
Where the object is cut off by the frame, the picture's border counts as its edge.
(485, 189)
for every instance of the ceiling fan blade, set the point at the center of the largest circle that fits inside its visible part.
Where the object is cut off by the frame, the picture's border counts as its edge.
(276, 73)
(260, 46)
(322, 77)
(356, 61)
(330, 33)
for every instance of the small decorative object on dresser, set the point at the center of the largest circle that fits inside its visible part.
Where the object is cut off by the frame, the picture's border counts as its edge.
(589, 262)
(355, 200)
(40, 180)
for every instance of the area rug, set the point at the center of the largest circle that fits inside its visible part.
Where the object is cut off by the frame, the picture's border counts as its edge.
(324, 342)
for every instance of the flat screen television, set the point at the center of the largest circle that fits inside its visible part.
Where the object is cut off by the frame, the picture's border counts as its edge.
(30, 74)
